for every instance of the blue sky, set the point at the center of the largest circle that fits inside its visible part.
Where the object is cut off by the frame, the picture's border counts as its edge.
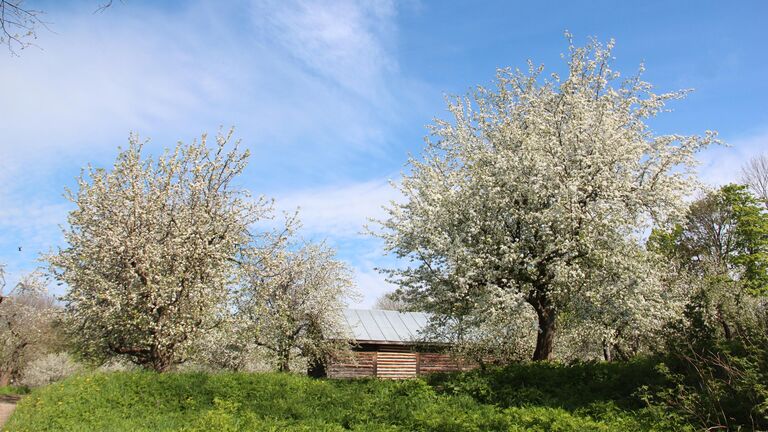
(331, 96)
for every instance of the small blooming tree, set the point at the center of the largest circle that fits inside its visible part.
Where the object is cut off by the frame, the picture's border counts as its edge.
(152, 250)
(293, 303)
(27, 315)
(49, 369)
(391, 301)
(534, 185)
(628, 304)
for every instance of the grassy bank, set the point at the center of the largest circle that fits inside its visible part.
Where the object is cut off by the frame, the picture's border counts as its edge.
(526, 397)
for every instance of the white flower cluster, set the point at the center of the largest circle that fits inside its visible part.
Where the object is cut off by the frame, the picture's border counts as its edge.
(293, 301)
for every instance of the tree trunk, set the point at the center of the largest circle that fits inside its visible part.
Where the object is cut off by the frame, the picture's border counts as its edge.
(285, 362)
(606, 351)
(545, 340)
(726, 328)
(162, 359)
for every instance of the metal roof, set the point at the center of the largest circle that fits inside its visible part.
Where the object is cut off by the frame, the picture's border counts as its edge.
(384, 326)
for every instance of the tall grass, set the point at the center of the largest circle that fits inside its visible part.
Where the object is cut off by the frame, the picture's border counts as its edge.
(144, 401)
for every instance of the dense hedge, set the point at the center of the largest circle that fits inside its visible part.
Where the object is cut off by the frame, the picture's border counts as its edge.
(557, 385)
(144, 401)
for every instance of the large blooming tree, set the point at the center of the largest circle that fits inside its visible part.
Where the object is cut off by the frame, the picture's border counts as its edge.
(535, 188)
(152, 250)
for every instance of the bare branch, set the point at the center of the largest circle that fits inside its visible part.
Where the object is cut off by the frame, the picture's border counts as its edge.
(19, 25)
(104, 6)
(755, 175)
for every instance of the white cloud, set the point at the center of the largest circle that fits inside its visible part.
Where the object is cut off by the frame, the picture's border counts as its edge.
(28, 229)
(722, 165)
(307, 74)
(339, 214)
(371, 285)
(308, 84)
(339, 211)
(345, 41)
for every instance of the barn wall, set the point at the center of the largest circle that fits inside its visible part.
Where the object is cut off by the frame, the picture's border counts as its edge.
(393, 362)
(364, 365)
(438, 362)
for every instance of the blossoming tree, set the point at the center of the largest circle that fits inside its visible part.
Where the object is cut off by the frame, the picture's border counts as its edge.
(533, 186)
(152, 250)
(292, 302)
(27, 316)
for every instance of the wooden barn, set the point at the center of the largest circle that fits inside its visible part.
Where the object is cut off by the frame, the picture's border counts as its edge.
(390, 344)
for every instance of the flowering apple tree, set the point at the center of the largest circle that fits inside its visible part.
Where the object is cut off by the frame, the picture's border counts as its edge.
(534, 185)
(292, 304)
(152, 250)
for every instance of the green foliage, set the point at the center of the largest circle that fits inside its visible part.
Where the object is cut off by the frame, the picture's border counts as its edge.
(191, 402)
(717, 354)
(725, 237)
(555, 385)
(714, 382)
(551, 396)
(13, 390)
(751, 237)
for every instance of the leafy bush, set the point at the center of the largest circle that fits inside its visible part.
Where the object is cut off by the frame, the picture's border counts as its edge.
(724, 385)
(49, 369)
(555, 385)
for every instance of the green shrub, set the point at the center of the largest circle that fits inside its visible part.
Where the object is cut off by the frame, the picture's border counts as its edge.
(554, 384)
(722, 386)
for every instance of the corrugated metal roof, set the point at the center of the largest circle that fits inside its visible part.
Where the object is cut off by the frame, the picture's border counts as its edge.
(385, 326)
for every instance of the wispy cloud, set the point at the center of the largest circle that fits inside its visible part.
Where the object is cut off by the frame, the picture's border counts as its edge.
(722, 165)
(338, 214)
(297, 70)
(348, 42)
(371, 285)
(342, 210)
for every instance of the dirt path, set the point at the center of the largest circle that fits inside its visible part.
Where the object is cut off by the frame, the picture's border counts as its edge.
(7, 405)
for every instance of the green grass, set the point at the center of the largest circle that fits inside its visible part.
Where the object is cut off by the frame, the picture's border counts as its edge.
(13, 390)
(575, 398)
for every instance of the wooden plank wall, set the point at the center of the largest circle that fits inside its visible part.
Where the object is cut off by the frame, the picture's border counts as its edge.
(394, 362)
(364, 365)
(435, 362)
